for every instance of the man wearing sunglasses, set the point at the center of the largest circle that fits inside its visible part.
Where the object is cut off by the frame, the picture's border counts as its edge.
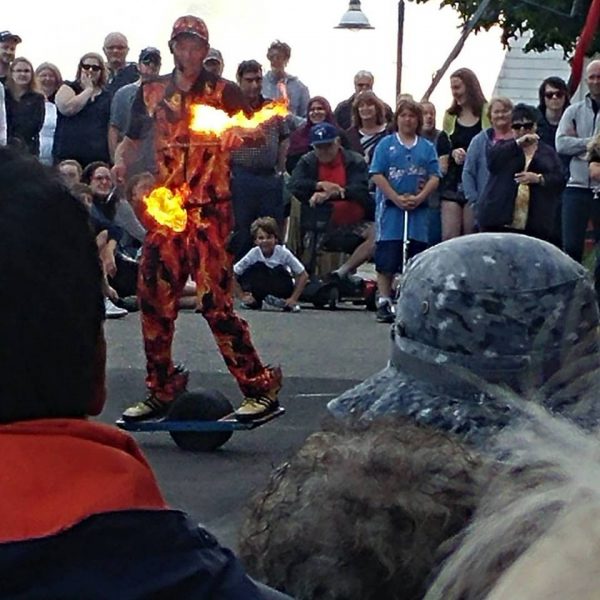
(578, 125)
(553, 101)
(149, 63)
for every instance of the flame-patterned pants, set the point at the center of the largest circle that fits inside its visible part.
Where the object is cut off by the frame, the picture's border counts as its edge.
(200, 251)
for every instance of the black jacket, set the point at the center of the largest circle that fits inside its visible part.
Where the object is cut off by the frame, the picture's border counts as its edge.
(497, 204)
(303, 182)
(25, 118)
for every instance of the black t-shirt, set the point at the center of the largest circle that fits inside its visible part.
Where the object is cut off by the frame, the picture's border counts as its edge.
(84, 136)
(460, 138)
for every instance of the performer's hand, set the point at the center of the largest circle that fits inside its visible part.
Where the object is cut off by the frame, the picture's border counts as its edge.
(232, 138)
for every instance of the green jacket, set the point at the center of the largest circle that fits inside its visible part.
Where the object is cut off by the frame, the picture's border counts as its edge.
(449, 122)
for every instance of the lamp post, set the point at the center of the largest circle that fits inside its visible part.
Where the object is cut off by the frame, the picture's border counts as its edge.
(355, 19)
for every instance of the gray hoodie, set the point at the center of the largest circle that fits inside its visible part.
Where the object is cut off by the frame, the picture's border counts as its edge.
(578, 125)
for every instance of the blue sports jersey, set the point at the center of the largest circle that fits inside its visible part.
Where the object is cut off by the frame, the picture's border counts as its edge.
(407, 170)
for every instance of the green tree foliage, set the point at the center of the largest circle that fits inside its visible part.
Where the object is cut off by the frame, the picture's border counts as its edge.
(551, 22)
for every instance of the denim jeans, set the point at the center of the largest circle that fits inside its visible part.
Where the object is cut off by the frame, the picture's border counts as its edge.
(578, 207)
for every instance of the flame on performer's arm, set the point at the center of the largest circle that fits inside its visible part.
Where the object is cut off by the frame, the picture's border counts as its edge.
(207, 121)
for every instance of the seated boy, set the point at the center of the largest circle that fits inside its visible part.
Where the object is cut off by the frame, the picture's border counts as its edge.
(265, 272)
(81, 514)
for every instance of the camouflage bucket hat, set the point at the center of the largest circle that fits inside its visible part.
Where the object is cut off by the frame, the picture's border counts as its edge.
(503, 308)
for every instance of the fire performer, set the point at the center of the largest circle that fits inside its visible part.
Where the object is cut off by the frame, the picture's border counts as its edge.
(197, 165)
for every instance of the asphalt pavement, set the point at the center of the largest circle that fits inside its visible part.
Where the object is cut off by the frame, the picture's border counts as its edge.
(321, 352)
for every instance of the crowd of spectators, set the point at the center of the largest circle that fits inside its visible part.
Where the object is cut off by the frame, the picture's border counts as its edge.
(389, 184)
(500, 165)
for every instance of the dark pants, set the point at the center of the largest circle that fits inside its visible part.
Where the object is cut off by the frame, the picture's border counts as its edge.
(261, 281)
(125, 280)
(167, 259)
(578, 207)
(253, 195)
(389, 254)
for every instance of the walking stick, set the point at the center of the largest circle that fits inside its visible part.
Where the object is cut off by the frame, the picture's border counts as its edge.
(405, 242)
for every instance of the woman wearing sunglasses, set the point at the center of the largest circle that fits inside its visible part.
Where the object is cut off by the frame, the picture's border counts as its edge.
(83, 113)
(525, 181)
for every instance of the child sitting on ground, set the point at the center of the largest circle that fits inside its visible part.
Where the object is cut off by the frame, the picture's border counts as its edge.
(265, 272)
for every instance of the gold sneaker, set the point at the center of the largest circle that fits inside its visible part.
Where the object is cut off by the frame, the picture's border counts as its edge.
(150, 408)
(255, 408)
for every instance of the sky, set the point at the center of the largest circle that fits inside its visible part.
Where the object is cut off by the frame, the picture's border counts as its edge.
(324, 58)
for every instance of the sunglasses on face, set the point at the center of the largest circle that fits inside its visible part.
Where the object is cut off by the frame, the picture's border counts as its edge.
(550, 95)
(527, 125)
(94, 68)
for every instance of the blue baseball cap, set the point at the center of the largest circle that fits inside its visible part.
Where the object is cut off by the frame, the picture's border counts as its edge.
(323, 133)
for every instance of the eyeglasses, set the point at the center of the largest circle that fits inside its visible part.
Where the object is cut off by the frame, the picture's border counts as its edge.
(101, 178)
(527, 125)
(94, 68)
(558, 94)
(150, 61)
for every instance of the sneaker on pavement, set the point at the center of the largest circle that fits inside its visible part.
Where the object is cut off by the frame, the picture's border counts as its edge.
(111, 311)
(275, 301)
(251, 305)
(255, 408)
(384, 313)
(295, 308)
(150, 408)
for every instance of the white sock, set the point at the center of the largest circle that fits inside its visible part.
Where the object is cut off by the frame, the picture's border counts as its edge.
(384, 300)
